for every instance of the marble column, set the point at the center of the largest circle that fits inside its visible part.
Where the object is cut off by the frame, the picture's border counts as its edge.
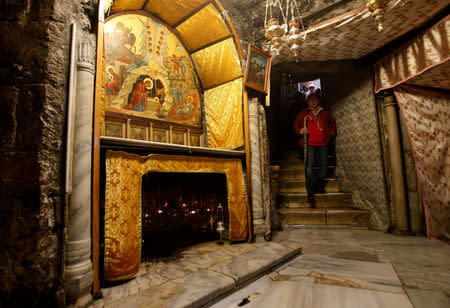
(264, 146)
(78, 266)
(257, 190)
(398, 193)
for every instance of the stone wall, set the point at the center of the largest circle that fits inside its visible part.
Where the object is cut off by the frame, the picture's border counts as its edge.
(34, 62)
(351, 100)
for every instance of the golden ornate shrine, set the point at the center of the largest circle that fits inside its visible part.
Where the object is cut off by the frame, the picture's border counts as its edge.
(152, 52)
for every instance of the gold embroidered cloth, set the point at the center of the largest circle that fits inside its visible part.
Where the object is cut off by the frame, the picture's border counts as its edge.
(208, 22)
(126, 5)
(218, 63)
(124, 173)
(427, 117)
(223, 112)
(172, 11)
(424, 54)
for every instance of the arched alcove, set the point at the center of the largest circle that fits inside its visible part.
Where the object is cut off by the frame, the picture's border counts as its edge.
(146, 44)
(210, 55)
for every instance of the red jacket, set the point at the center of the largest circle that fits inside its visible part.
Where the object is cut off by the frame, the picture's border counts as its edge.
(326, 123)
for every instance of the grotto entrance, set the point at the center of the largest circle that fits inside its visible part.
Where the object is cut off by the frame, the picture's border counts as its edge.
(180, 209)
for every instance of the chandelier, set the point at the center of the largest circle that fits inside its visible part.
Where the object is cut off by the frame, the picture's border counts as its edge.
(288, 34)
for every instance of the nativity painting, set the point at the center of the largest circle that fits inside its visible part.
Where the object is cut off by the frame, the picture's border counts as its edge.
(148, 72)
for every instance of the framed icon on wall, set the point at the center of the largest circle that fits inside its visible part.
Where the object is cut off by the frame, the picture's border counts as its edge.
(257, 70)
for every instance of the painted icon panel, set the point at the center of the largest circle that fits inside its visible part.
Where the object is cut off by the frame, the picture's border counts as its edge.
(258, 69)
(148, 72)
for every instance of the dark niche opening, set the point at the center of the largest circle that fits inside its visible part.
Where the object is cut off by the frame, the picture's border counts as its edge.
(180, 209)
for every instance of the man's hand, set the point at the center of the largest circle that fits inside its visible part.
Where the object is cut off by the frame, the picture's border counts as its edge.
(303, 130)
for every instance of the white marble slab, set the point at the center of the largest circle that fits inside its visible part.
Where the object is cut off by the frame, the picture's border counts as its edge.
(428, 298)
(358, 274)
(288, 294)
(192, 290)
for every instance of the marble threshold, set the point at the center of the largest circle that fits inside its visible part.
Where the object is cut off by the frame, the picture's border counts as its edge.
(200, 275)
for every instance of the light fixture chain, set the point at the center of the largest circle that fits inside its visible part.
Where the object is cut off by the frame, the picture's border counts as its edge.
(281, 10)
(265, 17)
(301, 21)
(287, 11)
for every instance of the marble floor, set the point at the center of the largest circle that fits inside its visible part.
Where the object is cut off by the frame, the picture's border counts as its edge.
(198, 274)
(352, 267)
(337, 267)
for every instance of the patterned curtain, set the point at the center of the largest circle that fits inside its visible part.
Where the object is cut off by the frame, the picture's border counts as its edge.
(427, 117)
(422, 61)
(354, 34)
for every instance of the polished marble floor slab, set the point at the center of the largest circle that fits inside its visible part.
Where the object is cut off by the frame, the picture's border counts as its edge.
(351, 273)
(288, 294)
(340, 267)
(428, 298)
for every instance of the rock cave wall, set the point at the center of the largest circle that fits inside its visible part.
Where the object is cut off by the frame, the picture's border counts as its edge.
(34, 67)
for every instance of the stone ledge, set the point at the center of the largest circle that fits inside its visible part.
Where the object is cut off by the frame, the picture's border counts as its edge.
(347, 217)
(203, 285)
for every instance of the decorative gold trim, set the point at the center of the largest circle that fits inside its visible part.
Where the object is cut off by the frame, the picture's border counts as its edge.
(123, 204)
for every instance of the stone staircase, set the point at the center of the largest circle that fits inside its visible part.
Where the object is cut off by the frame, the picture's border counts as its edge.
(331, 208)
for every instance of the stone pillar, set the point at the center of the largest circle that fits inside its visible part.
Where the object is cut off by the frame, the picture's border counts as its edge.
(264, 146)
(398, 194)
(78, 270)
(275, 221)
(257, 191)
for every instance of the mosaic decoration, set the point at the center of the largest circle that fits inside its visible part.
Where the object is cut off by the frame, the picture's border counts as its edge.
(148, 72)
(427, 117)
(358, 153)
(422, 61)
(123, 222)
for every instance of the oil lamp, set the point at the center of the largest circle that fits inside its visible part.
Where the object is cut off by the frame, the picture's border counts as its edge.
(295, 38)
(220, 225)
(377, 8)
(274, 32)
(283, 35)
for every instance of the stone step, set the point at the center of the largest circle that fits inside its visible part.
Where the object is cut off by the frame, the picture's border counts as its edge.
(333, 200)
(328, 200)
(292, 175)
(291, 163)
(304, 216)
(297, 173)
(331, 186)
(290, 216)
(294, 200)
(352, 217)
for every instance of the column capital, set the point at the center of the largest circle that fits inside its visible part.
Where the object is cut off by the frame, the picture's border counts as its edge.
(85, 57)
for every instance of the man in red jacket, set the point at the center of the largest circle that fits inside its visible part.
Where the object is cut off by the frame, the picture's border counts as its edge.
(320, 127)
